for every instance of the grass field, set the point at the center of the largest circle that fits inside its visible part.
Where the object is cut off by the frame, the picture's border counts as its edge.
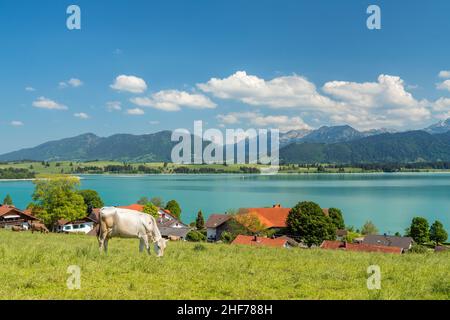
(34, 266)
(68, 167)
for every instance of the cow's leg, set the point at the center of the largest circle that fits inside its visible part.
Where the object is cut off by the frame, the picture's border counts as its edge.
(100, 243)
(104, 236)
(105, 245)
(147, 244)
(103, 241)
(141, 244)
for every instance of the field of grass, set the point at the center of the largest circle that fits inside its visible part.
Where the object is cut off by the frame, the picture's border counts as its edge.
(34, 266)
(67, 166)
(71, 167)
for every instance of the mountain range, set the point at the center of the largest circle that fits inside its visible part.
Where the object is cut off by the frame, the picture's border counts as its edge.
(335, 144)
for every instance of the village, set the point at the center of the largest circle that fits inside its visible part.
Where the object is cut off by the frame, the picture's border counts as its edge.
(266, 226)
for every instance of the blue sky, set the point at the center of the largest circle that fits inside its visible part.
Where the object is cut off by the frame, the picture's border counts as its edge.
(144, 66)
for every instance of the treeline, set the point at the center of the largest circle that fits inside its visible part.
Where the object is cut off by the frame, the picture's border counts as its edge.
(117, 169)
(382, 167)
(187, 170)
(142, 169)
(14, 173)
(396, 167)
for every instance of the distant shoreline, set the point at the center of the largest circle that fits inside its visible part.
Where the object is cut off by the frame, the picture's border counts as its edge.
(131, 175)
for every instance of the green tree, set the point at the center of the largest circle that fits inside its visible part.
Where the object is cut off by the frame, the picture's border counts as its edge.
(227, 237)
(337, 217)
(351, 236)
(157, 201)
(143, 201)
(151, 209)
(174, 208)
(369, 228)
(91, 198)
(57, 197)
(250, 221)
(438, 233)
(307, 222)
(8, 200)
(195, 236)
(419, 230)
(200, 221)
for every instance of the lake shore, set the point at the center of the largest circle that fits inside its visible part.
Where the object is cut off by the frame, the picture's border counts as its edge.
(131, 175)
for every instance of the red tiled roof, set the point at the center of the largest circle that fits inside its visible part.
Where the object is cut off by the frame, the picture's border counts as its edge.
(269, 242)
(134, 206)
(271, 217)
(62, 222)
(335, 245)
(6, 209)
(274, 217)
(94, 216)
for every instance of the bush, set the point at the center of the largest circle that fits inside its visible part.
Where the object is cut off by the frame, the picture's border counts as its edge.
(226, 237)
(195, 236)
(199, 247)
(417, 248)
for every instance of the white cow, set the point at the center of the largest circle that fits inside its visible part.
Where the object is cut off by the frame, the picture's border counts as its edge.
(124, 223)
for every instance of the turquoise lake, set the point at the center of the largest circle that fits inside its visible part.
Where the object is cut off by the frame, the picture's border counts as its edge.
(389, 200)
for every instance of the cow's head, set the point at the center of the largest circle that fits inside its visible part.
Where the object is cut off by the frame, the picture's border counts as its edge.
(160, 245)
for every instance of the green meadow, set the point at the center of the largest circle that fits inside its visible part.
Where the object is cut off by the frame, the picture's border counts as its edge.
(34, 266)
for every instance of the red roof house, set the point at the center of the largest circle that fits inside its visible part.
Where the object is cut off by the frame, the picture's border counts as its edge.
(260, 241)
(10, 215)
(342, 245)
(274, 217)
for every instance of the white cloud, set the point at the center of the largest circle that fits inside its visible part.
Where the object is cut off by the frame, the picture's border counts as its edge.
(114, 106)
(173, 100)
(73, 82)
(444, 74)
(373, 104)
(153, 122)
(235, 117)
(16, 123)
(81, 115)
(30, 89)
(444, 85)
(281, 92)
(284, 123)
(442, 108)
(135, 112)
(364, 105)
(129, 83)
(281, 122)
(45, 103)
(442, 104)
(387, 91)
(443, 116)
